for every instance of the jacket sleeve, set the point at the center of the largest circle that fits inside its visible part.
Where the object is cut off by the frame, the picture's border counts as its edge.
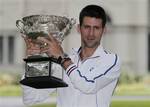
(102, 76)
(33, 96)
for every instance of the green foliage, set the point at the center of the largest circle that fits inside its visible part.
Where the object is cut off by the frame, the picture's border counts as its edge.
(129, 84)
(129, 78)
(9, 78)
(132, 89)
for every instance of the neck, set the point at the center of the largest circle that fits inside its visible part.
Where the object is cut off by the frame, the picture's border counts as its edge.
(87, 52)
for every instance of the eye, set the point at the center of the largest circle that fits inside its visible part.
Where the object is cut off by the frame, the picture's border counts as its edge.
(97, 27)
(86, 27)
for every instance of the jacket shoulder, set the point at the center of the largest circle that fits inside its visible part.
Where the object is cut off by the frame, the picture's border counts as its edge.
(111, 58)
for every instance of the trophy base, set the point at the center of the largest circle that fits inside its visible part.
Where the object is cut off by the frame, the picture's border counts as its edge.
(43, 82)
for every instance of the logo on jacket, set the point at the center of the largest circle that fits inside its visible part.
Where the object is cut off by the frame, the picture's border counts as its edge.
(91, 69)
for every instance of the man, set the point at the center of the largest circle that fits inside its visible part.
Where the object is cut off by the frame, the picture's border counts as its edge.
(91, 72)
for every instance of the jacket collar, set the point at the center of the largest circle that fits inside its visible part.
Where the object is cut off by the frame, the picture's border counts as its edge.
(98, 52)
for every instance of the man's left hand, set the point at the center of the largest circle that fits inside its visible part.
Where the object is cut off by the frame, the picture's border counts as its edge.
(53, 47)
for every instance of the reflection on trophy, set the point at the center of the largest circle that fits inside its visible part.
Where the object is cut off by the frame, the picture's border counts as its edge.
(40, 69)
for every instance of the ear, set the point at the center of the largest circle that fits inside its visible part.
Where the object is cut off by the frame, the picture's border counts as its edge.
(104, 30)
(78, 28)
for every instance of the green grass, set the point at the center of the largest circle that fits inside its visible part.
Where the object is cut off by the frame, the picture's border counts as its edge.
(131, 103)
(124, 89)
(113, 104)
(10, 90)
(133, 89)
(44, 105)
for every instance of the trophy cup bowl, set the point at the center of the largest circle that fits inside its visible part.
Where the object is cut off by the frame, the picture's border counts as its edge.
(39, 68)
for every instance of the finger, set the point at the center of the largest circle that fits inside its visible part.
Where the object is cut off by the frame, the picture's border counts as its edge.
(24, 37)
(27, 41)
(45, 51)
(44, 40)
(31, 45)
(32, 52)
(52, 37)
(34, 47)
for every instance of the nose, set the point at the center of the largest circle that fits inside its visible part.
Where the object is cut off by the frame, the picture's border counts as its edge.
(91, 31)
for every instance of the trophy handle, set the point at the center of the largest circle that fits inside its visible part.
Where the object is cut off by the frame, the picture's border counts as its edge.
(20, 24)
(73, 21)
(66, 30)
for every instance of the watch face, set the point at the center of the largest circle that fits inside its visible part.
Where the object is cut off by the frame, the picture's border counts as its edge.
(65, 55)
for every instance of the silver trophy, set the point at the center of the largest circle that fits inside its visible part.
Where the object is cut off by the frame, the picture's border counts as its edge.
(40, 68)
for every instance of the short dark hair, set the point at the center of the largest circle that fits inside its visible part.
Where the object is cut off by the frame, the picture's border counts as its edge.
(93, 11)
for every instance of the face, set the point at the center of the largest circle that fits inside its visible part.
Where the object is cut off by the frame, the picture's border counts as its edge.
(91, 32)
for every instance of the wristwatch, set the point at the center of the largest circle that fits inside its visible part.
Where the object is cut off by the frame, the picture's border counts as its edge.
(64, 58)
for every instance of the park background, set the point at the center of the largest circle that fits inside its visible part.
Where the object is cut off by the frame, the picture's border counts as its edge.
(128, 35)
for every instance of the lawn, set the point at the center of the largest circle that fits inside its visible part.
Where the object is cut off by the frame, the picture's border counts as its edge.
(124, 89)
(133, 89)
(131, 103)
(114, 104)
(10, 90)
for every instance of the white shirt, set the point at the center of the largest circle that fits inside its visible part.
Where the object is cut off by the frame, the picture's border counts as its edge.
(91, 82)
